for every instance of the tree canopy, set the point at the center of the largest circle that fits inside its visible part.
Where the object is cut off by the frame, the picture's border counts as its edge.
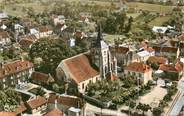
(50, 53)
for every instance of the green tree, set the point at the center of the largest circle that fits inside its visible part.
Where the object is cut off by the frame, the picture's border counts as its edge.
(157, 111)
(143, 107)
(51, 52)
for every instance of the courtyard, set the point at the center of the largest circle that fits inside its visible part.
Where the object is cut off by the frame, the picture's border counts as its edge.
(153, 98)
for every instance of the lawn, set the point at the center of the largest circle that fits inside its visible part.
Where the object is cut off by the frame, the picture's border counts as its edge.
(110, 38)
(159, 21)
(150, 7)
(134, 15)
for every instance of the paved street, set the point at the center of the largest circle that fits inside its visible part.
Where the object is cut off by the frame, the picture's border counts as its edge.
(90, 110)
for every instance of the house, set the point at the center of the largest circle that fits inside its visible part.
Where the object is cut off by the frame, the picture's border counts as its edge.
(15, 73)
(60, 19)
(19, 28)
(123, 55)
(79, 35)
(44, 31)
(38, 104)
(20, 109)
(85, 16)
(4, 38)
(3, 113)
(172, 71)
(161, 30)
(26, 41)
(168, 52)
(64, 103)
(77, 70)
(144, 54)
(55, 112)
(41, 78)
(156, 61)
(140, 71)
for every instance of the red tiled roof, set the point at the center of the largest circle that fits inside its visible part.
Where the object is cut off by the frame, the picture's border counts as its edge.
(65, 100)
(39, 101)
(157, 59)
(4, 34)
(138, 67)
(79, 66)
(54, 112)
(25, 43)
(41, 77)
(14, 67)
(44, 29)
(122, 50)
(169, 49)
(21, 108)
(165, 49)
(178, 67)
(7, 114)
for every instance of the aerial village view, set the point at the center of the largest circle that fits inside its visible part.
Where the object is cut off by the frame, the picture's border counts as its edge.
(91, 57)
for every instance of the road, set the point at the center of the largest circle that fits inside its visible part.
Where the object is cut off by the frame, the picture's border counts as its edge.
(90, 110)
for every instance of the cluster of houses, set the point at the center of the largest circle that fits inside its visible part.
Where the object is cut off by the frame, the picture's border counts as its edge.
(102, 61)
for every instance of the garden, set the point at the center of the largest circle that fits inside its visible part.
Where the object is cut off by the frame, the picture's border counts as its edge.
(118, 91)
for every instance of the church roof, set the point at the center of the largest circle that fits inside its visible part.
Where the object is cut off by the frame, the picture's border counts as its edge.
(80, 68)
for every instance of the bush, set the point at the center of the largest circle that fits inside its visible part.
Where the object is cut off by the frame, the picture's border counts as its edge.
(157, 111)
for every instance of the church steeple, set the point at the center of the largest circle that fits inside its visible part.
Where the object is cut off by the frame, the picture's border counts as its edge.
(99, 36)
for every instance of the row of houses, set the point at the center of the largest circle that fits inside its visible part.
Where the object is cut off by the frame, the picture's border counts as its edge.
(55, 105)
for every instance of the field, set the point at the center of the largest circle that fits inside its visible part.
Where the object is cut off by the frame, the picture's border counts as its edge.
(134, 15)
(150, 7)
(159, 21)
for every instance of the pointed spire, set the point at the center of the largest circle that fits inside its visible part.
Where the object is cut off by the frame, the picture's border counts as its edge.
(99, 37)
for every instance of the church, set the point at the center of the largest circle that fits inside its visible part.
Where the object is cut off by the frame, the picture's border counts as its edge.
(88, 67)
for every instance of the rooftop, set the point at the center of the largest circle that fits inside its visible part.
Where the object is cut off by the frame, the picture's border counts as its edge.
(14, 67)
(138, 67)
(54, 112)
(39, 101)
(157, 59)
(80, 68)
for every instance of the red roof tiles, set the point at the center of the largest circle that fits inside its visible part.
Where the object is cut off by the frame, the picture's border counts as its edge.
(157, 59)
(14, 67)
(7, 114)
(44, 29)
(42, 77)
(79, 66)
(20, 109)
(4, 34)
(178, 67)
(39, 101)
(121, 50)
(54, 112)
(66, 100)
(166, 49)
(138, 67)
